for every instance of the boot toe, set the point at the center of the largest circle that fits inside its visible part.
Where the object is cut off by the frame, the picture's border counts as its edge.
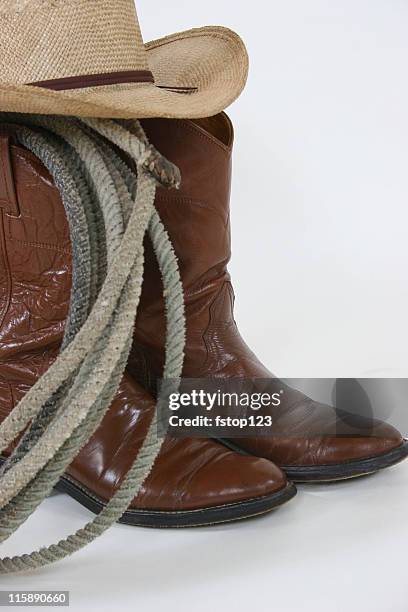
(333, 445)
(194, 474)
(383, 439)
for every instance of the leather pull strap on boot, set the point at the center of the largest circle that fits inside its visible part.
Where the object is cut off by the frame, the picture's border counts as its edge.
(309, 440)
(8, 196)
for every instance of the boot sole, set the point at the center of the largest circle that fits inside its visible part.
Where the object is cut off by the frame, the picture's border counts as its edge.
(162, 519)
(340, 471)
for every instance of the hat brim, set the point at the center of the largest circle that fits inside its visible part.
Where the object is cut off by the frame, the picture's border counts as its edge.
(198, 73)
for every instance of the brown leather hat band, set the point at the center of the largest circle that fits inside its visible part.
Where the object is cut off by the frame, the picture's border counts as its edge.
(96, 80)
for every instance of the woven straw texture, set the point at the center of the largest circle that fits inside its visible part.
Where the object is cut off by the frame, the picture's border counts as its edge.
(49, 39)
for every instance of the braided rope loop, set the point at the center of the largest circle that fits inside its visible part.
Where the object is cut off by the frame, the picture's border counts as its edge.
(109, 210)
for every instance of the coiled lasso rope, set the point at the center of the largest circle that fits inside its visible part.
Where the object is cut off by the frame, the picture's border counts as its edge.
(109, 209)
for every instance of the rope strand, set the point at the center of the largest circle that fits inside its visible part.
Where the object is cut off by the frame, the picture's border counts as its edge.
(109, 210)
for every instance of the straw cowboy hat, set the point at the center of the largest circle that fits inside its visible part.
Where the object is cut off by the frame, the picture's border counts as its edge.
(87, 58)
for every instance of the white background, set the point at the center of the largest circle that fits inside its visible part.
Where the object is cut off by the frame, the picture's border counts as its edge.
(320, 222)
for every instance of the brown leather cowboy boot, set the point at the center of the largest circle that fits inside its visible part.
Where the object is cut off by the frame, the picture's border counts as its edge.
(310, 441)
(193, 482)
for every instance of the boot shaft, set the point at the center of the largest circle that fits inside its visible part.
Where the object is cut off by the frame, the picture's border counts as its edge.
(35, 270)
(35, 290)
(197, 216)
